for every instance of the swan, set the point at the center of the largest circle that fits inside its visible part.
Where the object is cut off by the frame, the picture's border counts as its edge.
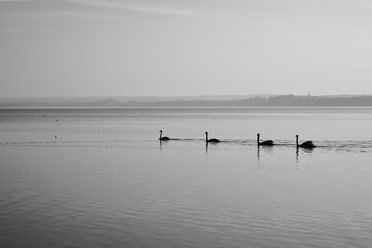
(163, 138)
(264, 143)
(306, 144)
(210, 140)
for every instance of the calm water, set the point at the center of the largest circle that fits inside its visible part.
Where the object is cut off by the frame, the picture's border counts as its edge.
(100, 178)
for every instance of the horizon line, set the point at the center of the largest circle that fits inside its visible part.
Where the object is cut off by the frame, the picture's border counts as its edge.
(166, 96)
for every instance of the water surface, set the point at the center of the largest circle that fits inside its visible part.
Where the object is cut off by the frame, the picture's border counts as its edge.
(100, 178)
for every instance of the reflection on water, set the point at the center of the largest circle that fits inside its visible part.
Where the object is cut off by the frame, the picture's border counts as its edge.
(266, 149)
(297, 155)
(304, 151)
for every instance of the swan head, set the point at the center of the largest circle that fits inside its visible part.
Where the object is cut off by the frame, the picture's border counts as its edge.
(160, 131)
(258, 135)
(206, 132)
(296, 136)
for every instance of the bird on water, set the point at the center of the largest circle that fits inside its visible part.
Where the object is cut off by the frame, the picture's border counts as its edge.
(264, 143)
(210, 140)
(307, 144)
(163, 138)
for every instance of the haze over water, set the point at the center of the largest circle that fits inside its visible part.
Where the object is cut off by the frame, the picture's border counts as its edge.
(101, 178)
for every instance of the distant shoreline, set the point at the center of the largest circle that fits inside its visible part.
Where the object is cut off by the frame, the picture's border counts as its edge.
(193, 102)
(192, 107)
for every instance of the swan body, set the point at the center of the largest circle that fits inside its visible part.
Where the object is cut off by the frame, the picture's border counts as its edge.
(264, 143)
(210, 140)
(306, 144)
(163, 138)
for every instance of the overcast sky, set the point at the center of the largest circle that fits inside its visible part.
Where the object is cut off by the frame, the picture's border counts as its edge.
(188, 47)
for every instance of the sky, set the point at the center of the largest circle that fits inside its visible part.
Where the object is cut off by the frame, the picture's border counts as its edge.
(184, 48)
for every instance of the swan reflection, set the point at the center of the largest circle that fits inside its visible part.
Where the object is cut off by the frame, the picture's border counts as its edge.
(266, 149)
(304, 151)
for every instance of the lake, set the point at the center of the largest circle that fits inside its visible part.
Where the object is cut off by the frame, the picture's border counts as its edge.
(101, 178)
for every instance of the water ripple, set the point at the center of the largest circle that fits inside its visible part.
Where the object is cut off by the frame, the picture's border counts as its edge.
(364, 146)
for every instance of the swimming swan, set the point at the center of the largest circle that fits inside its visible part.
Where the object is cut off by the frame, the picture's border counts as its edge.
(163, 138)
(306, 144)
(264, 143)
(210, 140)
